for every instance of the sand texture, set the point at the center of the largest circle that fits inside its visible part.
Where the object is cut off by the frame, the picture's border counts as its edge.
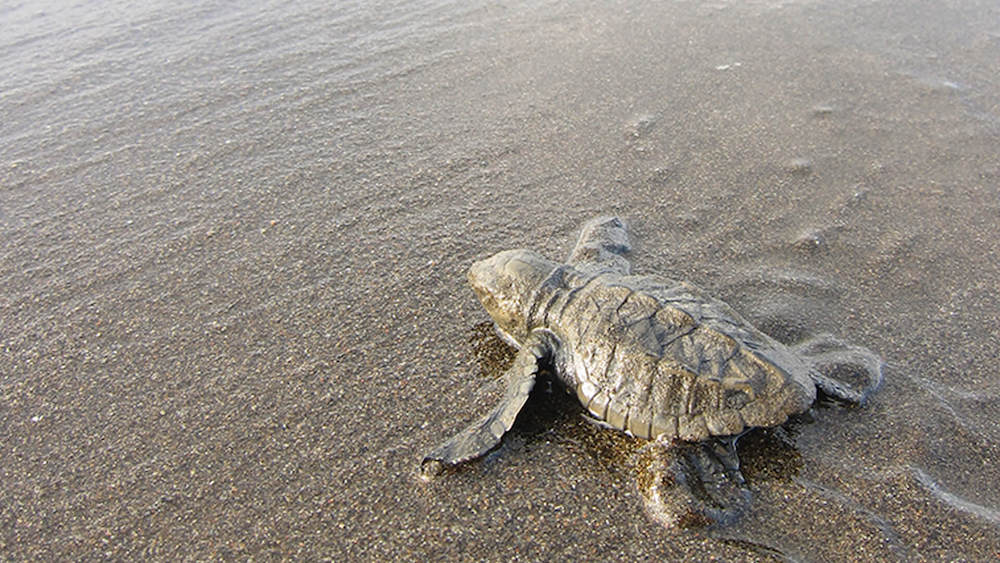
(234, 314)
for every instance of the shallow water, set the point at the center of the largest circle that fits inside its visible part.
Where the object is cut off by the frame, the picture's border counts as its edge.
(234, 313)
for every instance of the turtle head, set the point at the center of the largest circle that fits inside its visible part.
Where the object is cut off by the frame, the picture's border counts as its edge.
(505, 283)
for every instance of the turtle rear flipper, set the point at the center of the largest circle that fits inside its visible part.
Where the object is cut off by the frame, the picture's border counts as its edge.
(693, 484)
(843, 371)
(484, 434)
(603, 243)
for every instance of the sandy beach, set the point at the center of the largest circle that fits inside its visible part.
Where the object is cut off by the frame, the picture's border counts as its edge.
(234, 313)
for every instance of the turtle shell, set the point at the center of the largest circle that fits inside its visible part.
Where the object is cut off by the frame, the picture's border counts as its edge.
(658, 357)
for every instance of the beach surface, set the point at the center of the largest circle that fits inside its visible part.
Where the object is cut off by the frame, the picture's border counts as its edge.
(234, 314)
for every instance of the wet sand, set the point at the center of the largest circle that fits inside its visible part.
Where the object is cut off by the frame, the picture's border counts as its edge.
(235, 316)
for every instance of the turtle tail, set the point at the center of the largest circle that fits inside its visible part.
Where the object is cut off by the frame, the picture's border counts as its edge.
(843, 371)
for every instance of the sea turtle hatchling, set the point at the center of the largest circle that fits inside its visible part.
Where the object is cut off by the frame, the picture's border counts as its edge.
(654, 357)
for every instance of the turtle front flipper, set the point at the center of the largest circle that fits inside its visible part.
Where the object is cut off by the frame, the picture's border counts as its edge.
(841, 370)
(602, 244)
(693, 484)
(484, 434)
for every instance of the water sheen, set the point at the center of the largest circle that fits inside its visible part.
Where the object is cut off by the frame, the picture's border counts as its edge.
(235, 238)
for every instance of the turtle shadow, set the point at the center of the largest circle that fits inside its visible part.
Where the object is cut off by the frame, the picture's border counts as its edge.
(546, 412)
(770, 454)
(551, 414)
